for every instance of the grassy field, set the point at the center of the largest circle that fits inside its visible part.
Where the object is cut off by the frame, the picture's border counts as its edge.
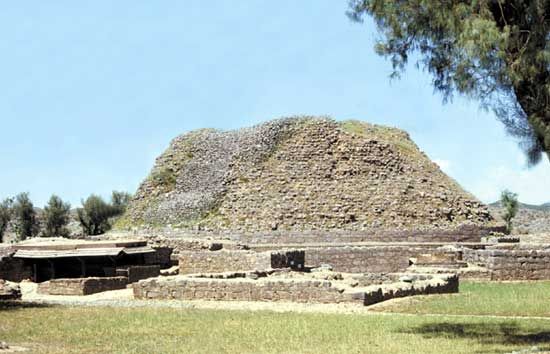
(501, 299)
(154, 330)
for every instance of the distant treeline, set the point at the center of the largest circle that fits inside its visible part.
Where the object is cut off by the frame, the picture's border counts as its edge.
(95, 216)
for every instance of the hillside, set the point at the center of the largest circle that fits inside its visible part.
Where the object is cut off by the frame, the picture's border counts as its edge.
(530, 219)
(303, 173)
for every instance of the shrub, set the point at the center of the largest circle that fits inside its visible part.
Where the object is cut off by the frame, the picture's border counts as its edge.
(510, 204)
(56, 215)
(120, 201)
(164, 178)
(26, 223)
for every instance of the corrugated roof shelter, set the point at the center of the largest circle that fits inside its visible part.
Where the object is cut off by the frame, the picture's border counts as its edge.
(79, 258)
(80, 249)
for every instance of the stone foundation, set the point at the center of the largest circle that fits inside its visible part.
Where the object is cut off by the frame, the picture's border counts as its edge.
(82, 286)
(375, 259)
(287, 290)
(512, 264)
(238, 260)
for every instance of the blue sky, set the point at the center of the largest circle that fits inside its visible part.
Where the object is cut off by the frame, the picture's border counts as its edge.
(92, 91)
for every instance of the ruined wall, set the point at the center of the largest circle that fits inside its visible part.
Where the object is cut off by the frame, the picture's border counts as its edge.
(300, 173)
(372, 259)
(466, 233)
(512, 264)
(82, 286)
(241, 290)
(238, 260)
(290, 290)
(135, 273)
(187, 240)
(14, 269)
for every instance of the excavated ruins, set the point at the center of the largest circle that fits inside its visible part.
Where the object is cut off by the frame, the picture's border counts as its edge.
(306, 210)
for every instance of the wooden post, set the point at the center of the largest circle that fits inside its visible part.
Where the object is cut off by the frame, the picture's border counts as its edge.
(35, 272)
(82, 267)
(52, 267)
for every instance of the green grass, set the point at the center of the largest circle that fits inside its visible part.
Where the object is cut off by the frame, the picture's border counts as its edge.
(501, 299)
(149, 330)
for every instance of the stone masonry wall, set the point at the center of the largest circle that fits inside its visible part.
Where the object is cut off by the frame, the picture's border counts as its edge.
(320, 291)
(512, 264)
(238, 260)
(14, 269)
(135, 273)
(373, 259)
(289, 290)
(84, 286)
(469, 233)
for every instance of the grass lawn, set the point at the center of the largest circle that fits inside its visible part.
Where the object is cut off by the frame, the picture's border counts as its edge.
(153, 330)
(502, 299)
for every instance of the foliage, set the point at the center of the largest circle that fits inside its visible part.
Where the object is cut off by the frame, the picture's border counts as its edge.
(5, 216)
(26, 222)
(510, 204)
(56, 215)
(96, 214)
(494, 51)
(120, 201)
(165, 178)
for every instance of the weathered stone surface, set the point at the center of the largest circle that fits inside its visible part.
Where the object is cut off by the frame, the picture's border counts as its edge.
(82, 286)
(137, 272)
(9, 290)
(518, 263)
(14, 269)
(238, 260)
(289, 290)
(300, 174)
(374, 259)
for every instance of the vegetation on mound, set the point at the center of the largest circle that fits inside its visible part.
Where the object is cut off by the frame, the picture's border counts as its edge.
(396, 137)
(303, 173)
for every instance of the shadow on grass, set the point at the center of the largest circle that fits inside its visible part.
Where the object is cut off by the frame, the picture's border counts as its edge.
(9, 305)
(488, 333)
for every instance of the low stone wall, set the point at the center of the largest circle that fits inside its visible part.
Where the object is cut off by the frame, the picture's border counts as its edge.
(512, 264)
(82, 286)
(136, 273)
(238, 260)
(375, 259)
(443, 284)
(177, 238)
(288, 290)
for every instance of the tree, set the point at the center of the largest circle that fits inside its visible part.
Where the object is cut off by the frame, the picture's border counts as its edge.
(510, 204)
(56, 215)
(120, 201)
(26, 223)
(494, 51)
(95, 214)
(5, 216)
